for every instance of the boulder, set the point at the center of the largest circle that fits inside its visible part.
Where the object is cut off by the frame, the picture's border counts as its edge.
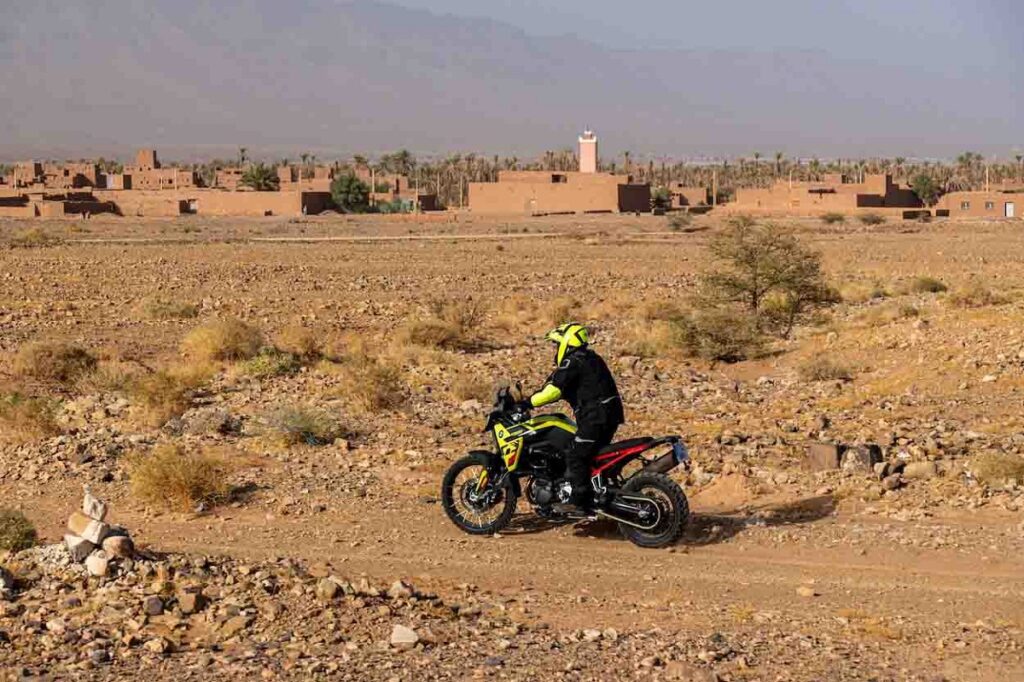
(119, 546)
(98, 563)
(399, 590)
(85, 527)
(93, 507)
(823, 456)
(920, 470)
(153, 606)
(403, 637)
(191, 602)
(78, 548)
(861, 457)
(327, 589)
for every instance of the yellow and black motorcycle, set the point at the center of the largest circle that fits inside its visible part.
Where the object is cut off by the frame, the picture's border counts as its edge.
(480, 491)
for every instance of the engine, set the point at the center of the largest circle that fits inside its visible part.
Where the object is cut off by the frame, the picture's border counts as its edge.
(541, 491)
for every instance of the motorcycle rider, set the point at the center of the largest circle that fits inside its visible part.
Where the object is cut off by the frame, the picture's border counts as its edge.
(582, 378)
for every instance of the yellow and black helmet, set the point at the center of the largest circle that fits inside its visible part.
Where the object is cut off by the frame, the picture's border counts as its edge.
(569, 335)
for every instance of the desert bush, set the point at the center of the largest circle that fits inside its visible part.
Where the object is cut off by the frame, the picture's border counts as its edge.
(822, 368)
(108, 377)
(975, 295)
(678, 222)
(16, 531)
(53, 361)
(301, 424)
(159, 308)
(754, 263)
(302, 342)
(223, 339)
(998, 468)
(451, 325)
(872, 219)
(23, 419)
(561, 310)
(668, 311)
(175, 478)
(655, 338)
(34, 238)
(369, 385)
(471, 387)
(166, 393)
(863, 292)
(720, 335)
(833, 218)
(270, 362)
(927, 285)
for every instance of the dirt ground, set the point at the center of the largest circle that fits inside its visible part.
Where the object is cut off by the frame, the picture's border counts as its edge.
(782, 574)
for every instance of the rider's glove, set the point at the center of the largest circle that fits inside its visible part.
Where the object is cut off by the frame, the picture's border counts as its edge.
(524, 406)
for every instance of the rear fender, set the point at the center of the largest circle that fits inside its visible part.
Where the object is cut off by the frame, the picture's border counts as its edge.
(496, 467)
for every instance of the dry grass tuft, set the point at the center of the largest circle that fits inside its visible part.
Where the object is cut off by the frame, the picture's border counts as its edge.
(270, 363)
(471, 387)
(301, 424)
(34, 238)
(821, 368)
(926, 285)
(53, 361)
(167, 393)
(158, 308)
(175, 478)
(657, 338)
(862, 293)
(368, 384)
(721, 335)
(975, 295)
(16, 531)
(23, 419)
(226, 339)
(108, 377)
(872, 219)
(453, 325)
(997, 469)
(302, 342)
(833, 218)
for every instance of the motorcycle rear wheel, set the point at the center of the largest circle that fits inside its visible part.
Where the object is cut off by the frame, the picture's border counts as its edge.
(473, 511)
(671, 500)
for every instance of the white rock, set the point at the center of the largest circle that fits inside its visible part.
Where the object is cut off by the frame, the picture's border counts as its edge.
(403, 637)
(79, 548)
(98, 563)
(93, 507)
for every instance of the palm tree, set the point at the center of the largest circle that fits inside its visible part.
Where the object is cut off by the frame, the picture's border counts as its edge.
(1020, 164)
(778, 164)
(242, 158)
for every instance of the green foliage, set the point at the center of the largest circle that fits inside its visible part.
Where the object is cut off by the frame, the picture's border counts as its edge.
(261, 178)
(350, 194)
(661, 198)
(767, 272)
(926, 188)
(16, 531)
(300, 424)
(720, 335)
(270, 363)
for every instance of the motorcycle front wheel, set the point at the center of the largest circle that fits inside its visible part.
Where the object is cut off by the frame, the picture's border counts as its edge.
(476, 509)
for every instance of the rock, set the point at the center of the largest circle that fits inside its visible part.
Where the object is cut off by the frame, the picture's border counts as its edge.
(158, 645)
(6, 579)
(191, 602)
(679, 670)
(93, 507)
(892, 482)
(399, 590)
(233, 626)
(591, 635)
(861, 457)
(881, 469)
(471, 405)
(78, 548)
(85, 527)
(119, 547)
(153, 606)
(823, 456)
(403, 637)
(98, 563)
(327, 589)
(920, 470)
(806, 592)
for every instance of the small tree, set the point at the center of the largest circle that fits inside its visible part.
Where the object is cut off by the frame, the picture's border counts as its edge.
(926, 188)
(661, 198)
(765, 270)
(350, 194)
(261, 178)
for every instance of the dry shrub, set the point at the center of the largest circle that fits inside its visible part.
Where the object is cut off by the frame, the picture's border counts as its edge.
(821, 368)
(998, 469)
(975, 295)
(53, 361)
(872, 219)
(660, 310)
(16, 531)
(833, 218)
(656, 338)
(23, 419)
(270, 363)
(678, 222)
(302, 342)
(721, 335)
(368, 384)
(561, 310)
(926, 285)
(862, 292)
(167, 393)
(34, 238)
(175, 478)
(226, 339)
(301, 424)
(878, 316)
(159, 308)
(108, 377)
(471, 387)
(452, 326)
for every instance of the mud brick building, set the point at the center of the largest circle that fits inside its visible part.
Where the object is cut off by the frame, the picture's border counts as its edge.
(147, 174)
(990, 204)
(833, 194)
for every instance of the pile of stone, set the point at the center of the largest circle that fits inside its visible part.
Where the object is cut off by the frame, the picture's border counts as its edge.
(93, 541)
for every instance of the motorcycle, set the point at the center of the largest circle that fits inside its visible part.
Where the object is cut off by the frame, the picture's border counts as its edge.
(480, 491)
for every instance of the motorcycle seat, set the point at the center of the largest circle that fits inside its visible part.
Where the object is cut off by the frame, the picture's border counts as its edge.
(623, 444)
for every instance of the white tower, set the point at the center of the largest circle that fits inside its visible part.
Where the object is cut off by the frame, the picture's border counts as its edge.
(588, 152)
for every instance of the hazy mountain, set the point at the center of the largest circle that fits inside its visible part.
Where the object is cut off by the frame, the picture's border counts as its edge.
(198, 78)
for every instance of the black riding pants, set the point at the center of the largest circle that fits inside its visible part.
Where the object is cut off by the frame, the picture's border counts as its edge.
(589, 439)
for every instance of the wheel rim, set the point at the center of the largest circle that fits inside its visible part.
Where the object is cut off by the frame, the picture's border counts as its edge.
(664, 503)
(477, 508)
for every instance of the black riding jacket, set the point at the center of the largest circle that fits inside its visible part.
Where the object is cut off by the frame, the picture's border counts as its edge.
(588, 385)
